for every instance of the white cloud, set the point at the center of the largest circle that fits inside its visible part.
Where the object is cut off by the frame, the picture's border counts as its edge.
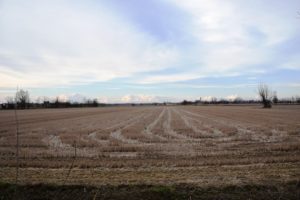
(232, 97)
(142, 98)
(207, 98)
(235, 36)
(137, 99)
(293, 63)
(77, 98)
(229, 21)
(207, 86)
(63, 98)
(103, 100)
(168, 78)
(58, 43)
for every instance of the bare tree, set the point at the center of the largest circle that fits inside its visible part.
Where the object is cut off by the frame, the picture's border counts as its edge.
(275, 98)
(22, 98)
(17, 136)
(265, 95)
(56, 101)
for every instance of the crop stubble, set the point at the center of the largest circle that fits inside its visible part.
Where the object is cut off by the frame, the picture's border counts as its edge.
(205, 145)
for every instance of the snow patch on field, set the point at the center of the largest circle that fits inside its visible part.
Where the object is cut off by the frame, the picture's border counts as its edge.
(54, 141)
(55, 144)
(93, 136)
(118, 135)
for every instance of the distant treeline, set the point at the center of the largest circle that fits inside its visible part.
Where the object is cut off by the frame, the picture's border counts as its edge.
(21, 101)
(95, 103)
(293, 100)
(48, 104)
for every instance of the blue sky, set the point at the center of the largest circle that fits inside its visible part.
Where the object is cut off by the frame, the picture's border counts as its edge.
(144, 51)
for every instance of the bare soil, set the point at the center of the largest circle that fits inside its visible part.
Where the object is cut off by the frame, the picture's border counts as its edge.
(206, 146)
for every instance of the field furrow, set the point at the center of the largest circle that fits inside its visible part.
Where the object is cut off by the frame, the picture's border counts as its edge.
(175, 143)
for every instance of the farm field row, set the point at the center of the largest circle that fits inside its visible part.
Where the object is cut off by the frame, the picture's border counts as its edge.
(205, 145)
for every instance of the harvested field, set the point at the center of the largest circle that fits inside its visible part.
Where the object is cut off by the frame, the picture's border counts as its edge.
(207, 146)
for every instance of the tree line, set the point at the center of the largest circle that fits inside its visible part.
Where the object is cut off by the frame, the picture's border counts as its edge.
(22, 101)
(275, 101)
(267, 98)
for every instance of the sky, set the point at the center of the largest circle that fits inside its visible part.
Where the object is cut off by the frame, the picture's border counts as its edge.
(149, 51)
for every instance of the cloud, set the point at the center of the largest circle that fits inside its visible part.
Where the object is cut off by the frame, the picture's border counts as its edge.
(236, 37)
(168, 78)
(207, 98)
(62, 43)
(160, 19)
(142, 98)
(73, 98)
(293, 63)
(231, 37)
(232, 97)
(103, 100)
(62, 98)
(58, 43)
(212, 86)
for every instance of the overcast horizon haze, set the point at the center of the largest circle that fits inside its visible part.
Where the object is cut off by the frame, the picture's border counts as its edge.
(149, 51)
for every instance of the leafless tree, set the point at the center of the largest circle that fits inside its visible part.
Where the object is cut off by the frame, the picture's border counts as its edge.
(265, 95)
(275, 98)
(22, 98)
(18, 95)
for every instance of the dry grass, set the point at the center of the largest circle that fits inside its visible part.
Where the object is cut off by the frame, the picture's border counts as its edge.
(204, 145)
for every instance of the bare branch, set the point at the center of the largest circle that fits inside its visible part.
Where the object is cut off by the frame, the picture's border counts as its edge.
(265, 95)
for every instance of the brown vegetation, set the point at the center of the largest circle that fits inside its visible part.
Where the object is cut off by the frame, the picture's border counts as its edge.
(201, 145)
